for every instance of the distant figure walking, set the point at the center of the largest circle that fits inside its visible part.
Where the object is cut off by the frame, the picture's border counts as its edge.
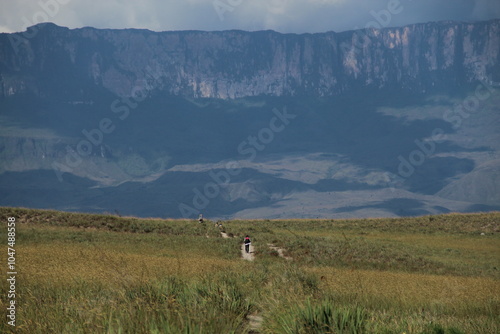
(200, 219)
(247, 244)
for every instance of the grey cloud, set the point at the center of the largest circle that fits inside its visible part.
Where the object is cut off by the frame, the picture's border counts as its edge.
(486, 9)
(281, 15)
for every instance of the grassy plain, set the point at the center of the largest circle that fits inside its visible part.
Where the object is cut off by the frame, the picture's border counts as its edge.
(82, 273)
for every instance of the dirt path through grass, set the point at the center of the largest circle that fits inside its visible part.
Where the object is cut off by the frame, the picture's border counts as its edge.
(247, 256)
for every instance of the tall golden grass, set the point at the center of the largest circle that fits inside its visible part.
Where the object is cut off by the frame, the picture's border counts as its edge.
(82, 273)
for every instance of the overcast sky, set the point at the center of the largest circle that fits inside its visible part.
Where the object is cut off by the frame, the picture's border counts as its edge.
(280, 15)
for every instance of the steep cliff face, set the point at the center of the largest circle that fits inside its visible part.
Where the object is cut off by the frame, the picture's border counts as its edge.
(232, 64)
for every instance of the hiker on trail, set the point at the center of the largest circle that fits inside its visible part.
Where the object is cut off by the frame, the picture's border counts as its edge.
(200, 218)
(247, 244)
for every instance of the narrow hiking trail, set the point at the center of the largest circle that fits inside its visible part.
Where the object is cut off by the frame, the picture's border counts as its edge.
(254, 320)
(247, 256)
(251, 256)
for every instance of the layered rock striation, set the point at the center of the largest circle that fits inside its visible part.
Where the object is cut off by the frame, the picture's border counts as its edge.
(48, 59)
